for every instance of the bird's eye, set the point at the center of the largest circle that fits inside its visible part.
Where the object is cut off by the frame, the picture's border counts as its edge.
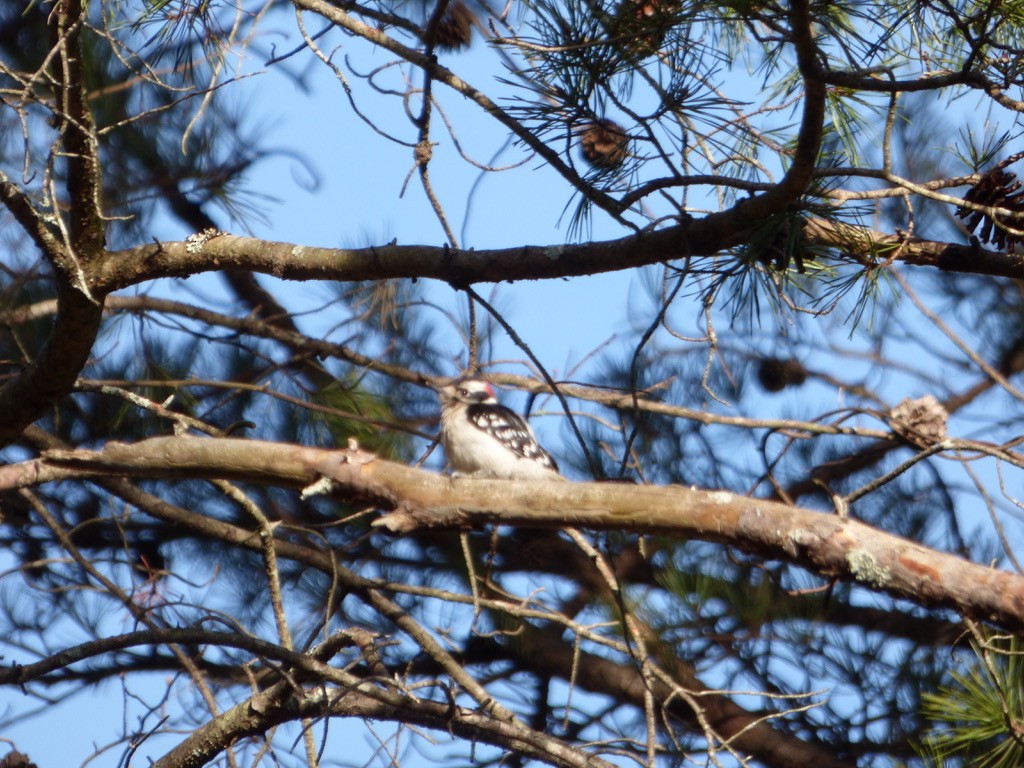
(463, 391)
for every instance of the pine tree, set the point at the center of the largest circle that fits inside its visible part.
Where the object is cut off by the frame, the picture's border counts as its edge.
(791, 532)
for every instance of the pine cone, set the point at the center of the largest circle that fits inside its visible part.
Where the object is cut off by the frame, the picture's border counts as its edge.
(455, 28)
(15, 759)
(604, 144)
(775, 374)
(999, 189)
(921, 422)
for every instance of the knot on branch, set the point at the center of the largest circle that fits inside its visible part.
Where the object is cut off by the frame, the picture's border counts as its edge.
(423, 152)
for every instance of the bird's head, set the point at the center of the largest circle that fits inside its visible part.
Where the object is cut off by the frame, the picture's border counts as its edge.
(467, 391)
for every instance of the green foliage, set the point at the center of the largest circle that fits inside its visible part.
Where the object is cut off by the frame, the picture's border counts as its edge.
(978, 717)
(729, 597)
(979, 152)
(358, 413)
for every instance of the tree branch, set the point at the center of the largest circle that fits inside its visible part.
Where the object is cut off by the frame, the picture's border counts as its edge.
(543, 650)
(831, 546)
(270, 708)
(949, 257)
(52, 374)
(78, 131)
(700, 237)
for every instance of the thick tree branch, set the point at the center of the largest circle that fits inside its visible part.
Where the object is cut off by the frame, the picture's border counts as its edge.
(52, 374)
(808, 141)
(298, 262)
(78, 131)
(949, 257)
(700, 237)
(833, 547)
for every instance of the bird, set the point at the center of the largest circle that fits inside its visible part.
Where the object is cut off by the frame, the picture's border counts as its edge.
(485, 439)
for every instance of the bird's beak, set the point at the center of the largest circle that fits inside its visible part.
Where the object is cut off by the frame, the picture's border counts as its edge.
(431, 383)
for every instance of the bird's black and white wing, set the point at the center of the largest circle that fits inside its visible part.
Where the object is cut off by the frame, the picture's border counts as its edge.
(510, 430)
